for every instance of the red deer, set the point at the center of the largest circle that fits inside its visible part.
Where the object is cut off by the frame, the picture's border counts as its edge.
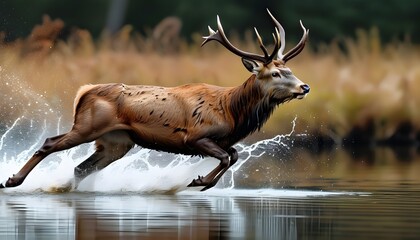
(193, 119)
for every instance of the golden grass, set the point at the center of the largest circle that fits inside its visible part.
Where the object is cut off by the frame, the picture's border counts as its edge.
(369, 82)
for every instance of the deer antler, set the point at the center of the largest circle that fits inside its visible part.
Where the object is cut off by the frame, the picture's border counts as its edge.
(220, 36)
(294, 51)
(279, 43)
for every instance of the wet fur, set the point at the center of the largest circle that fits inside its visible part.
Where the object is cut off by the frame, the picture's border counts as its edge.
(171, 117)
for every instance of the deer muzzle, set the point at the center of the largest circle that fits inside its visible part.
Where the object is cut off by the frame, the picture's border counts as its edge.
(305, 90)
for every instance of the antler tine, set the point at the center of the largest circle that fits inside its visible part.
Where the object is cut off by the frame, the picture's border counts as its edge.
(220, 36)
(263, 48)
(281, 42)
(299, 47)
(211, 33)
(277, 44)
(277, 38)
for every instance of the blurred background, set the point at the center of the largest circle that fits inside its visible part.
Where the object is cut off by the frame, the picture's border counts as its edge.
(361, 61)
(327, 20)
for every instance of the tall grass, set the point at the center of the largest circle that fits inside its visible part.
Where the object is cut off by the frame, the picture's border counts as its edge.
(352, 80)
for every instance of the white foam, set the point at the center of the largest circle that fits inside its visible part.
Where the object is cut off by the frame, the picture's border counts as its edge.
(266, 193)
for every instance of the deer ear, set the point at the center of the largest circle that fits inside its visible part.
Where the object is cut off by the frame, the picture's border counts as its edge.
(251, 65)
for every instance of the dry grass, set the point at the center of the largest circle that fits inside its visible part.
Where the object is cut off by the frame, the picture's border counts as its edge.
(369, 82)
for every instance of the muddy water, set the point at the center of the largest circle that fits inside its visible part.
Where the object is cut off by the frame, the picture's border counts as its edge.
(327, 196)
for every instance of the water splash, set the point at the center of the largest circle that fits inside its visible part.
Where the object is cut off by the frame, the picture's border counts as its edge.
(256, 150)
(141, 170)
(25, 107)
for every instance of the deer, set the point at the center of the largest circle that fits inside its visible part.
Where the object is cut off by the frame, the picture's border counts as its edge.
(193, 119)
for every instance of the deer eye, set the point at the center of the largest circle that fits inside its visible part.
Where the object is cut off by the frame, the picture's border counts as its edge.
(275, 74)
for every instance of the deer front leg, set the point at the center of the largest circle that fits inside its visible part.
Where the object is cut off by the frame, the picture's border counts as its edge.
(210, 148)
(233, 158)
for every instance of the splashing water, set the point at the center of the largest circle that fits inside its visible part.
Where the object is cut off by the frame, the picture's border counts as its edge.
(141, 170)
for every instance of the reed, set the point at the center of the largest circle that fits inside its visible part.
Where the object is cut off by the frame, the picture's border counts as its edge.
(352, 81)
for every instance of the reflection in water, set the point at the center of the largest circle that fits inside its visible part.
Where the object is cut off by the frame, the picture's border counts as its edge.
(87, 216)
(197, 216)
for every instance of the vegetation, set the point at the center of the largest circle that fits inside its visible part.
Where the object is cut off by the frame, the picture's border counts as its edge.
(326, 19)
(356, 82)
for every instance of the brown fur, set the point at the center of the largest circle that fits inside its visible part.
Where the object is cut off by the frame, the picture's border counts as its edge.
(163, 118)
(169, 119)
(82, 90)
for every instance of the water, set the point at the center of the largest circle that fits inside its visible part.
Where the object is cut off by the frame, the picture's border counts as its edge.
(220, 214)
(277, 192)
(273, 192)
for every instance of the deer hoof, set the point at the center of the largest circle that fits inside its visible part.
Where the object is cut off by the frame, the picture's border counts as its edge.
(197, 182)
(8, 183)
(208, 186)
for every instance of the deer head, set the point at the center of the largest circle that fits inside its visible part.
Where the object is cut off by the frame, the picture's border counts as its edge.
(276, 79)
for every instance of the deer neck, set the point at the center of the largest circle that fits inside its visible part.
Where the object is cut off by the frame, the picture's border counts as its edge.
(250, 107)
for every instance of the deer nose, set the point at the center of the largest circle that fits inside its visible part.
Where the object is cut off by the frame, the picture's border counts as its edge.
(305, 88)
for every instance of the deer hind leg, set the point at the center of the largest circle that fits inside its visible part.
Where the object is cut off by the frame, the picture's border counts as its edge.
(89, 124)
(109, 148)
(227, 159)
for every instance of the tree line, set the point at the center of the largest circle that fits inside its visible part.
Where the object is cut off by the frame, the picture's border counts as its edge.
(327, 20)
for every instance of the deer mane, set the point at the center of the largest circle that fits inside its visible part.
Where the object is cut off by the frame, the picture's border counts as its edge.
(250, 107)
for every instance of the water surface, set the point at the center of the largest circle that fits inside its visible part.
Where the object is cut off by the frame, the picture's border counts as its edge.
(275, 191)
(221, 214)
